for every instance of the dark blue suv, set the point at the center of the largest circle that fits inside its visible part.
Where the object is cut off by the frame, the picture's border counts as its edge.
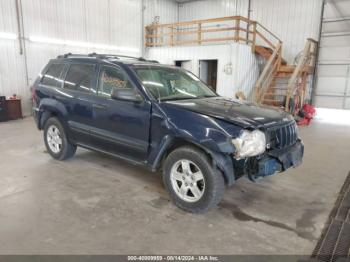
(164, 118)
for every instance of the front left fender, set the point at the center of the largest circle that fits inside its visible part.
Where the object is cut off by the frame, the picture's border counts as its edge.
(222, 161)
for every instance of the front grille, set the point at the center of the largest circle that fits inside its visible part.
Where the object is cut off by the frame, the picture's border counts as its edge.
(283, 136)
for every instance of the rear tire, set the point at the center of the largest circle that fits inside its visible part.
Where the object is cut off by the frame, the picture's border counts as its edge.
(56, 141)
(192, 182)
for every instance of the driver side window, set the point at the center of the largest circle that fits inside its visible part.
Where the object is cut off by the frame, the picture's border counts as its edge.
(112, 78)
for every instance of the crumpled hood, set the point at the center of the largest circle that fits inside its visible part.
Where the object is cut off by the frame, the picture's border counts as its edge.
(234, 111)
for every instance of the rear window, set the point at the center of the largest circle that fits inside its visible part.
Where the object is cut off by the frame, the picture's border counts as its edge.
(52, 77)
(80, 78)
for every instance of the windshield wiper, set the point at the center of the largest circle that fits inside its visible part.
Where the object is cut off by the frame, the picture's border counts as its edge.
(187, 98)
(207, 96)
(178, 98)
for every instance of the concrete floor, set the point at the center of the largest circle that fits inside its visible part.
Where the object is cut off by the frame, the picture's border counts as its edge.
(95, 204)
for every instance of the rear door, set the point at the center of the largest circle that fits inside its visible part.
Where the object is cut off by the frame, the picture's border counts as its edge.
(78, 93)
(120, 127)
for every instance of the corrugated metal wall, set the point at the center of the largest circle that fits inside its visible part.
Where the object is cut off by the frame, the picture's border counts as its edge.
(292, 21)
(118, 23)
(115, 24)
(167, 10)
(105, 26)
(239, 57)
(333, 71)
(12, 68)
(212, 9)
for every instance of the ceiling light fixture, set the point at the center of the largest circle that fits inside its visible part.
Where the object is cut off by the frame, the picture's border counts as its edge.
(56, 41)
(4, 35)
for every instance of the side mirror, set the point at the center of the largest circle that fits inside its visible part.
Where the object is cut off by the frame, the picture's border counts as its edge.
(126, 94)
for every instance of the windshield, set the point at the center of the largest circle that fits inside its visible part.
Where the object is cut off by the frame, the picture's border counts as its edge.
(172, 83)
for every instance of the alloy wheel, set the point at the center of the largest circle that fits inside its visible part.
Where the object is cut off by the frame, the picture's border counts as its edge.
(187, 180)
(54, 139)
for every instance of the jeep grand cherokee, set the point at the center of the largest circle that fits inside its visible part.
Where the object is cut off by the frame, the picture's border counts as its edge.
(164, 118)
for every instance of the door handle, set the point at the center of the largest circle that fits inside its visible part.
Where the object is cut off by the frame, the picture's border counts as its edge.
(99, 106)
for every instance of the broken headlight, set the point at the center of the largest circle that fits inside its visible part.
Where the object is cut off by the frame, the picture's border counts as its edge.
(249, 143)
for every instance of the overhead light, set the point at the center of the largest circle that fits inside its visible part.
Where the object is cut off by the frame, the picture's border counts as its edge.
(56, 41)
(5, 35)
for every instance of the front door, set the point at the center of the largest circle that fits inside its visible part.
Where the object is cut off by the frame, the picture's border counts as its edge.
(120, 127)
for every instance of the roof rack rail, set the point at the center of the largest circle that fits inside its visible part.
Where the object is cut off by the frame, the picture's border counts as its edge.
(70, 54)
(106, 56)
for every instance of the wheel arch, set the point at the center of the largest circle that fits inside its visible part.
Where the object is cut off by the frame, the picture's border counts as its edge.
(222, 161)
(51, 108)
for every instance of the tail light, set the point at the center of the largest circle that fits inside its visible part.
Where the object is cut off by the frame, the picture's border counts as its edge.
(34, 97)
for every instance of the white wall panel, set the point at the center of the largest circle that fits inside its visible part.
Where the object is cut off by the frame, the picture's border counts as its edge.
(292, 21)
(12, 69)
(125, 23)
(118, 23)
(114, 23)
(7, 18)
(207, 9)
(12, 73)
(333, 71)
(167, 10)
(337, 9)
(245, 69)
(212, 9)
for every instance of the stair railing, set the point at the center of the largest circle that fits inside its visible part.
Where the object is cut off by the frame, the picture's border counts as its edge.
(206, 31)
(305, 64)
(265, 78)
(217, 30)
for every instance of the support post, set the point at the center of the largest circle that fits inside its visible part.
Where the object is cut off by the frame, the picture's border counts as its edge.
(254, 37)
(237, 29)
(199, 36)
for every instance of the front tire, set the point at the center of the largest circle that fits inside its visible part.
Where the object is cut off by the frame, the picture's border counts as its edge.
(56, 141)
(191, 180)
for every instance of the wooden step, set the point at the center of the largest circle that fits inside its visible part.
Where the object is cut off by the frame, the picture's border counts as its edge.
(274, 94)
(272, 100)
(287, 70)
(278, 88)
(282, 75)
(266, 52)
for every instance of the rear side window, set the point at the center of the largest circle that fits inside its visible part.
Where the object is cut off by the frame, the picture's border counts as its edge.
(80, 78)
(52, 76)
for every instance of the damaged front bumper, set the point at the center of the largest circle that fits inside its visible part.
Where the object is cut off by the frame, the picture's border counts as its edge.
(277, 160)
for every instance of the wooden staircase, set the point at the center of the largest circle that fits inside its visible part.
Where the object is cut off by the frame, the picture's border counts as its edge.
(266, 52)
(282, 85)
(268, 89)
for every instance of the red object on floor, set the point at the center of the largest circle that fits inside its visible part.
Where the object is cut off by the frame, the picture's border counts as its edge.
(304, 122)
(308, 112)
